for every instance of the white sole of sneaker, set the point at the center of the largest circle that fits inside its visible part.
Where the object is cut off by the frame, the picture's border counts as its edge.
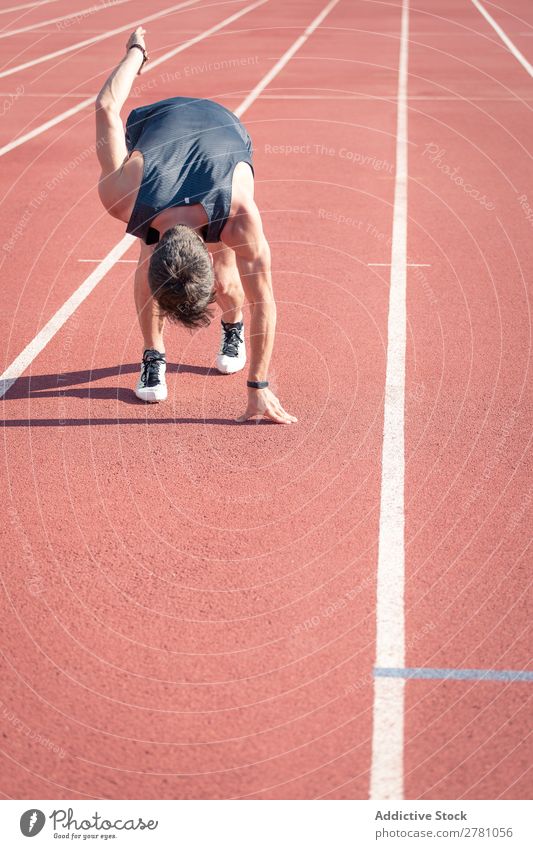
(230, 365)
(151, 396)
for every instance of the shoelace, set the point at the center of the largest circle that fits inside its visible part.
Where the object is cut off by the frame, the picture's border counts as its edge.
(232, 340)
(150, 368)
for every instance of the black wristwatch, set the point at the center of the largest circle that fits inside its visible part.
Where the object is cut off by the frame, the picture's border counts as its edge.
(257, 384)
(144, 53)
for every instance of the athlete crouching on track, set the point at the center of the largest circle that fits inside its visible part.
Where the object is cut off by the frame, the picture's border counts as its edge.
(181, 177)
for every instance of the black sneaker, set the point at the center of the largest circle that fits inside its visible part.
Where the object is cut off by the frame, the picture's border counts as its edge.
(232, 354)
(152, 386)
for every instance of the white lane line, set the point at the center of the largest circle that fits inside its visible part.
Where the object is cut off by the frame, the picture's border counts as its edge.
(408, 264)
(505, 38)
(95, 39)
(47, 125)
(82, 12)
(280, 64)
(45, 94)
(386, 772)
(26, 357)
(89, 101)
(101, 260)
(388, 97)
(26, 6)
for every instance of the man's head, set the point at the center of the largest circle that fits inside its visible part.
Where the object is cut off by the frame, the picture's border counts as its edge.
(181, 277)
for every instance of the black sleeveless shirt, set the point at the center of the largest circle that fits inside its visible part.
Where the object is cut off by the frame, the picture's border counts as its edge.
(190, 149)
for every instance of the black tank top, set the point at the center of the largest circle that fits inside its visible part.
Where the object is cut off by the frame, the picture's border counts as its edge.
(190, 149)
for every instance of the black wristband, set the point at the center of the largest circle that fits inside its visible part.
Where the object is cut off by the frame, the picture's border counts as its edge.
(144, 53)
(257, 384)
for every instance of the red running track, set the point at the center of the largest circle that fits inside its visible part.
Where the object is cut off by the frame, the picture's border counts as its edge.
(189, 605)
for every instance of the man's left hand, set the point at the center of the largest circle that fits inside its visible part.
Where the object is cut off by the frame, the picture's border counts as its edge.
(263, 403)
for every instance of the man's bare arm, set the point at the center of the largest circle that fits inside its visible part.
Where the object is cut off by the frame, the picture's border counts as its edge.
(110, 143)
(254, 270)
(252, 254)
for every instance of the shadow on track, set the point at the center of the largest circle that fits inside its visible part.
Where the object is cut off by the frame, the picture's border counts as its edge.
(109, 421)
(66, 384)
(62, 385)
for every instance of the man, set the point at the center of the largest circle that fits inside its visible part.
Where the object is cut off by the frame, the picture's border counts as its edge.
(182, 179)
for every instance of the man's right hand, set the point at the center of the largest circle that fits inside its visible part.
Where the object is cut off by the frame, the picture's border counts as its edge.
(137, 37)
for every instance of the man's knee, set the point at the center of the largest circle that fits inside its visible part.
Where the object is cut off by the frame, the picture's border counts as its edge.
(227, 283)
(227, 280)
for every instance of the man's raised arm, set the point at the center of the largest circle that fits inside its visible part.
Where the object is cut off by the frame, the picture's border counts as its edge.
(110, 143)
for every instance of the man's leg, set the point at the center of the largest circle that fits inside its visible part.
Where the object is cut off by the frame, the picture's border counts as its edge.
(230, 298)
(151, 385)
(150, 321)
(228, 286)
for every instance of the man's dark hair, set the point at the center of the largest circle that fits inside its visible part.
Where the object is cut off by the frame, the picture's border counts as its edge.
(181, 277)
